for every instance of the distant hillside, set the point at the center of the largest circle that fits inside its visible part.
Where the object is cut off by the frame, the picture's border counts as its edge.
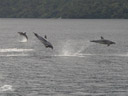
(64, 9)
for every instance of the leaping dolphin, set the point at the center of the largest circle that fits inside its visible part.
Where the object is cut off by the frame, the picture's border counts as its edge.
(103, 41)
(44, 41)
(23, 34)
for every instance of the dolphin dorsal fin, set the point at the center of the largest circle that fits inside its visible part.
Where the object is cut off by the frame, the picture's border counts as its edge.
(45, 37)
(102, 37)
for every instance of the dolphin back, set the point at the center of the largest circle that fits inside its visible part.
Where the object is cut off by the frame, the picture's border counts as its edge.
(103, 41)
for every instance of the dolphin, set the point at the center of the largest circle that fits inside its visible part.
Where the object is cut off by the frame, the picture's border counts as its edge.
(44, 41)
(103, 41)
(23, 34)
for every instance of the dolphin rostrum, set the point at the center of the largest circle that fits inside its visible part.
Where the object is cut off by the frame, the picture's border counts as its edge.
(23, 34)
(103, 41)
(44, 41)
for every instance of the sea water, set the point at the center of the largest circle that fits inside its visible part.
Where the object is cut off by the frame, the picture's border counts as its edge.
(75, 67)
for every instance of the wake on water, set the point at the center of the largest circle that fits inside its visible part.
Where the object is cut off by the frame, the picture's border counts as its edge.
(70, 48)
(11, 52)
(15, 50)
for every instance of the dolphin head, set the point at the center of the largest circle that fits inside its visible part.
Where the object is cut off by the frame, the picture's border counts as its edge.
(113, 43)
(92, 41)
(49, 46)
(35, 34)
(52, 47)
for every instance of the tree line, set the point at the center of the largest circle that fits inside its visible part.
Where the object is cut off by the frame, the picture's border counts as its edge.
(90, 9)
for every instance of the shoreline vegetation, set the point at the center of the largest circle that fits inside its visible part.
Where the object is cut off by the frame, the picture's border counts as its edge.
(64, 9)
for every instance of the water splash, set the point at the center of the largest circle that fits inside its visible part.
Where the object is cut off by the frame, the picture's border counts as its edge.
(74, 47)
(79, 48)
(24, 40)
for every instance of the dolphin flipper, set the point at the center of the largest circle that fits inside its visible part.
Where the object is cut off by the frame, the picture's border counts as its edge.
(102, 37)
(108, 44)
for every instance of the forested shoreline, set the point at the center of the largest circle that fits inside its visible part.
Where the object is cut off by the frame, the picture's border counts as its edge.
(84, 9)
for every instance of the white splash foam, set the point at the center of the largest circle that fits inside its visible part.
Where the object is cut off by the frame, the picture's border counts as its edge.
(15, 50)
(23, 40)
(74, 55)
(6, 88)
(14, 55)
(74, 48)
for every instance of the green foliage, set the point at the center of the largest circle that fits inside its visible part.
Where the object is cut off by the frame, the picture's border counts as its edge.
(64, 9)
